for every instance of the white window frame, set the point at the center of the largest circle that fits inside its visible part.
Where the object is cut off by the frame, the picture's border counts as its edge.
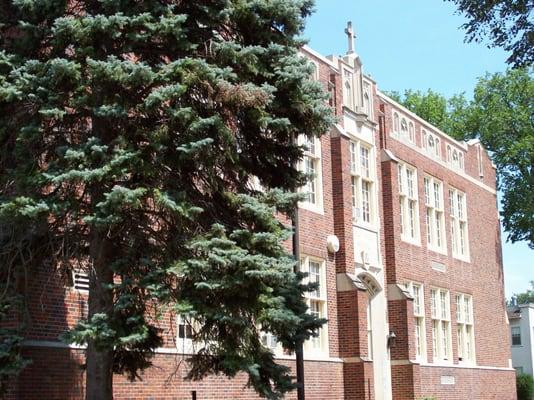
(314, 187)
(465, 329)
(417, 291)
(435, 214)
(441, 325)
(316, 346)
(184, 331)
(458, 224)
(363, 175)
(408, 203)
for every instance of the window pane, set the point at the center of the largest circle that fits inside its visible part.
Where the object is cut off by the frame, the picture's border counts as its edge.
(399, 178)
(427, 190)
(366, 201)
(410, 182)
(433, 303)
(411, 210)
(364, 161)
(429, 225)
(315, 277)
(516, 336)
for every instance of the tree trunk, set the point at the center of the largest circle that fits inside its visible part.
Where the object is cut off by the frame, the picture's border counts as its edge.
(99, 378)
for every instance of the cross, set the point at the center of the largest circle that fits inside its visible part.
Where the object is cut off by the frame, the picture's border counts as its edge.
(351, 36)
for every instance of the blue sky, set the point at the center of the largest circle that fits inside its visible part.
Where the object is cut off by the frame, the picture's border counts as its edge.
(416, 44)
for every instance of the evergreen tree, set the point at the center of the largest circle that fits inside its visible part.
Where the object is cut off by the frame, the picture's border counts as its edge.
(130, 133)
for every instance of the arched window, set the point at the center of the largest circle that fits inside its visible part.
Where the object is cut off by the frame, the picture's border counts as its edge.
(366, 105)
(411, 132)
(437, 149)
(448, 153)
(431, 142)
(461, 161)
(396, 123)
(455, 158)
(404, 128)
(348, 97)
(424, 139)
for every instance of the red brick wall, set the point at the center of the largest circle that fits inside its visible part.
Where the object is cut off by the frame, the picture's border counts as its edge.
(482, 277)
(56, 374)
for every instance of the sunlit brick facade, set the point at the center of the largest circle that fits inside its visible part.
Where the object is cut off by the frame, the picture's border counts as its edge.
(414, 296)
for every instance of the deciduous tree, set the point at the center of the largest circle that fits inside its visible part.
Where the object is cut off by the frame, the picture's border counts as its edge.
(505, 23)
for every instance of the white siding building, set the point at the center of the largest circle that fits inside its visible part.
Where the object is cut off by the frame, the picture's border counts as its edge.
(522, 337)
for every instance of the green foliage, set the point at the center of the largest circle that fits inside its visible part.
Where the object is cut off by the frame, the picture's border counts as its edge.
(506, 23)
(11, 361)
(450, 115)
(525, 387)
(501, 116)
(525, 297)
(503, 111)
(129, 135)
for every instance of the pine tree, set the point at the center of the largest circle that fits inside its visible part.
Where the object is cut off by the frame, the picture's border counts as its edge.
(130, 133)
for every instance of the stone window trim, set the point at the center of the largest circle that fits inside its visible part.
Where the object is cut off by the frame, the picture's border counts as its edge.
(441, 325)
(311, 163)
(403, 128)
(458, 224)
(435, 214)
(408, 203)
(363, 183)
(416, 290)
(317, 303)
(465, 328)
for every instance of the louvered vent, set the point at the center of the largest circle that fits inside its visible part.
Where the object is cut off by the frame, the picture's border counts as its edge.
(81, 281)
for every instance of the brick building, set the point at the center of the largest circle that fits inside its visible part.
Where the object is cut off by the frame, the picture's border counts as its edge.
(414, 297)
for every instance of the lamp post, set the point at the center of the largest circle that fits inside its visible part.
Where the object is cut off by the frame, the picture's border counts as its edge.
(299, 351)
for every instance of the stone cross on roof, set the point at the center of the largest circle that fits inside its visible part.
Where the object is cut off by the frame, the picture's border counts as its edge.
(351, 36)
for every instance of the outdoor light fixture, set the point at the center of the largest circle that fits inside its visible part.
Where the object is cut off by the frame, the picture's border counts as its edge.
(391, 339)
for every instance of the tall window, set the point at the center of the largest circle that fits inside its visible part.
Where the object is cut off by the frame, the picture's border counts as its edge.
(186, 330)
(516, 336)
(404, 129)
(408, 201)
(416, 291)
(362, 180)
(316, 301)
(441, 333)
(411, 132)
(311, 165)
(458, 214)
(464, 327)
(435, 219)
